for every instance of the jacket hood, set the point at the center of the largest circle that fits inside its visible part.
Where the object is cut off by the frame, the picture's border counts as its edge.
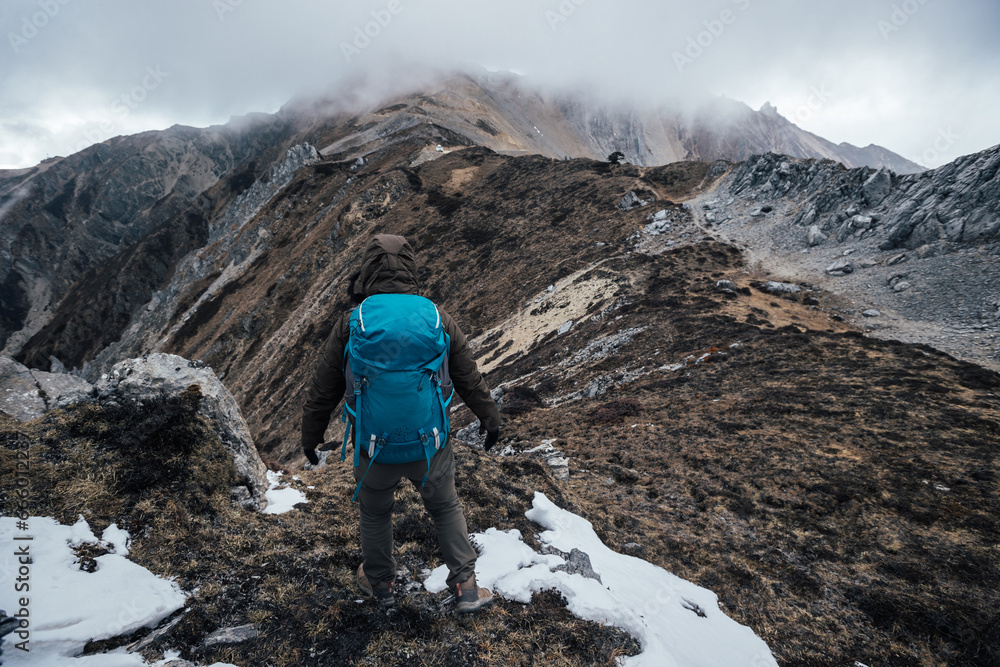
(388, 266)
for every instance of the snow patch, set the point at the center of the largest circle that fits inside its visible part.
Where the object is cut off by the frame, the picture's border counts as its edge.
(69, 606)
(675, 621)
(280, 497)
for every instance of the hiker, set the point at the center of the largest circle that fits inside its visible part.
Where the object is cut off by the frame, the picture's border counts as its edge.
(388, 267)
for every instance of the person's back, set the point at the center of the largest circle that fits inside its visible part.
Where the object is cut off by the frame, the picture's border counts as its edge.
(389, 267)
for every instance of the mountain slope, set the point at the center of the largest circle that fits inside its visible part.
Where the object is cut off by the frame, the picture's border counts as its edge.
(106, 210)
(838, 491)
(70, 215)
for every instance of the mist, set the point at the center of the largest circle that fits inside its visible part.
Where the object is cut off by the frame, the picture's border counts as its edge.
(899, 74)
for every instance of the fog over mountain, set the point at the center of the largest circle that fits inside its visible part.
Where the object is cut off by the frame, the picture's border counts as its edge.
(920, 78)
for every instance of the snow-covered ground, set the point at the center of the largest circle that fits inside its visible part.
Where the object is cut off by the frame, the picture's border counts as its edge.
(63, 606)
(675, 621)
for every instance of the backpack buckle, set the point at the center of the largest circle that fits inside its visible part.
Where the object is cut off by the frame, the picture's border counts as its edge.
(423, 437)
(371, 446)
(437, 438)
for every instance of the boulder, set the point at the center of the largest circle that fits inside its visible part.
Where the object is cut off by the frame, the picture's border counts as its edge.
(773, 287)
(160, 373)
(726, 287)
(877, 187)
(929, 250)
(815, 236)
(19, 392)
(809, 218)
(841, 267)
(928, 231)
(872, 312)
(27, 394)
(630, 201)
(578, 562)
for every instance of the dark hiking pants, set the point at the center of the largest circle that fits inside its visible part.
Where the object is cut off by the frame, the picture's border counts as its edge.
(377, 497)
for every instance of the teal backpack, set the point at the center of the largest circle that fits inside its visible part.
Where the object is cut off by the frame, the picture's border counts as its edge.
(398, 387)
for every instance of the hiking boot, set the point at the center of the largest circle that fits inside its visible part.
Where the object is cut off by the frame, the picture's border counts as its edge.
(471, 598)
(381, 592)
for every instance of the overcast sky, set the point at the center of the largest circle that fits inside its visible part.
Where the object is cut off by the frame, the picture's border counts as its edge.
(920, 77)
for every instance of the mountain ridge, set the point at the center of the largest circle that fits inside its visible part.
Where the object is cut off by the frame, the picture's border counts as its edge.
(723, 418)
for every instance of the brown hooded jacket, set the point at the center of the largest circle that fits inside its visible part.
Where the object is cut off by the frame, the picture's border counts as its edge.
(389, 266)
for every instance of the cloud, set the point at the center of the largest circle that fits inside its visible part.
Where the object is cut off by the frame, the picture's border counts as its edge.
(901, 71)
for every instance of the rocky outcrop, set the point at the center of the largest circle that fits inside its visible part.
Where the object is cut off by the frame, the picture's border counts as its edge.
(143, 378)
(944, 224)
(955, 203)
(27, 394)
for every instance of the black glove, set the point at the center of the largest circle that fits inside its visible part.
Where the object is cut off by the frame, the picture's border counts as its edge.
(492, 436)
(310, 453)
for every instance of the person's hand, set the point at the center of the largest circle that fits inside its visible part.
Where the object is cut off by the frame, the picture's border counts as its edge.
(492, 436)
(310, 453)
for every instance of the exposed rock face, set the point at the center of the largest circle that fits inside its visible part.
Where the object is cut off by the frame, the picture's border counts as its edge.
(957, 203)
(877, 187)
(92, 321)
(157, 373)
(69, 215)
(945, 221)
(27, 394)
